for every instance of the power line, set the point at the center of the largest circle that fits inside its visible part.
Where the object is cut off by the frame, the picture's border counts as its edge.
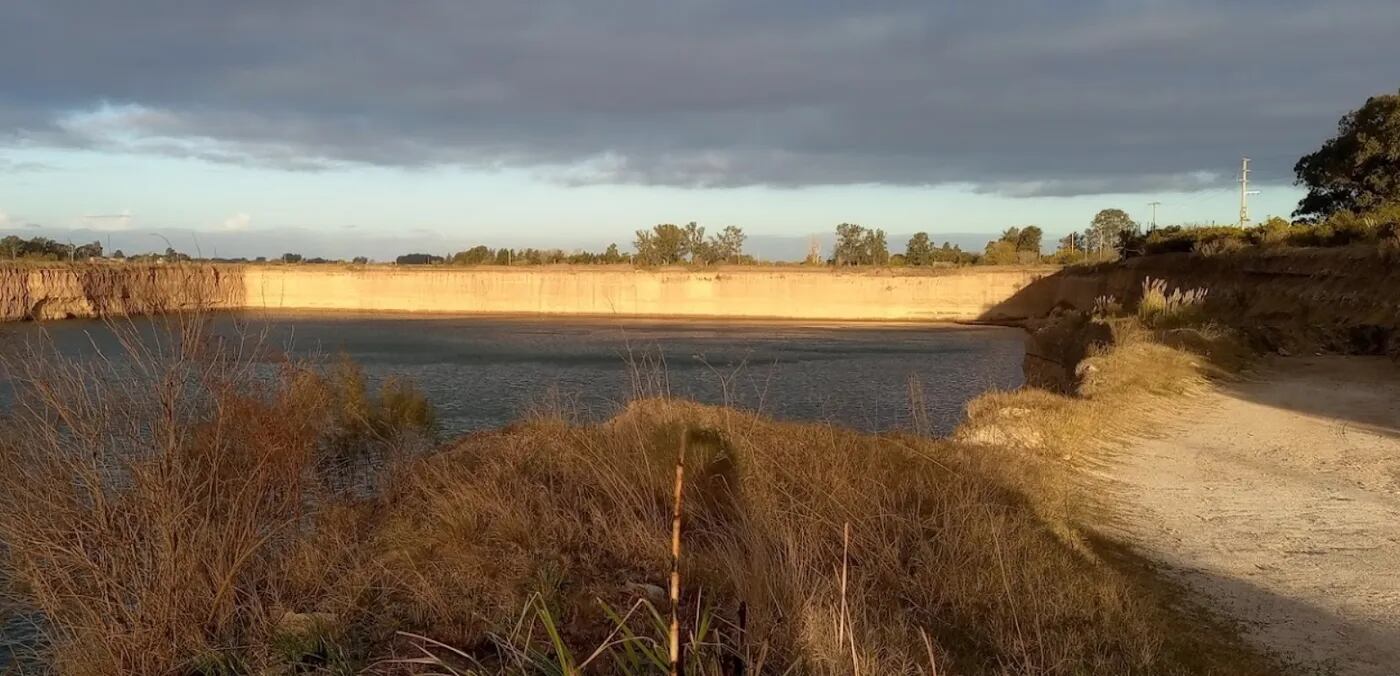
(1154, 206)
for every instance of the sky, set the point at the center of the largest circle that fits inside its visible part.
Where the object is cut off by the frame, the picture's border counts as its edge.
(347, 127)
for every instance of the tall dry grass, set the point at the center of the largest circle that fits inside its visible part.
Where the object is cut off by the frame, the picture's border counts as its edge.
(181, 518)
(165, 508)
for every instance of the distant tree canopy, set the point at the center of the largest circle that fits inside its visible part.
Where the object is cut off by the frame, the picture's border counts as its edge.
(418, 259)
(477, 255)
(921, 251)
(664, 244)
(669, 244)
(857, 245)
(1016, 245)
(1359, 168)
(43, 248)
(1028, 239)
(483, 255)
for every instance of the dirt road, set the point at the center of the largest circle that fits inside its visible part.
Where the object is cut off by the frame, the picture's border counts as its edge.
(1278, 499)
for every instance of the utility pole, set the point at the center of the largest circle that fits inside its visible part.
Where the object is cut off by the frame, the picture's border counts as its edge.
(1154, 213)
(1245, 192)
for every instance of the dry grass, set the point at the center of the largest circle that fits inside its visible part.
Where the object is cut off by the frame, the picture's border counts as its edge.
(1181, 307)
(161, 510)
(182, 518)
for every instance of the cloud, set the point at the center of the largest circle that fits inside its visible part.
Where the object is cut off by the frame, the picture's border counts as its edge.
(238, 222)
(1195, 181)
(1065, 98)
(13, 167)
(114, 222)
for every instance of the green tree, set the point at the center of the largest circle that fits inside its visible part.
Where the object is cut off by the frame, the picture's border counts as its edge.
(1106, 229)
(1000, 252)
(664, 244)
(612, 255)
(477, 255)
(728, 245)
(693, 245)
(1359, 168)
(919, 250)
(286, 257)
(1029, 239)
(856, 245)
(850, 244)
(12, 246)
(876, 249)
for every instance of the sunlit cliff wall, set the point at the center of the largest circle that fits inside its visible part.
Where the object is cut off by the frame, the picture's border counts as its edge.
(967, 294)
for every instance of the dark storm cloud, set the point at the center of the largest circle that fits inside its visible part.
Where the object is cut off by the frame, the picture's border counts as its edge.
(1066, 98)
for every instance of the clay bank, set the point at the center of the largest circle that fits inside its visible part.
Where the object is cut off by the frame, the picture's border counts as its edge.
(886, 295)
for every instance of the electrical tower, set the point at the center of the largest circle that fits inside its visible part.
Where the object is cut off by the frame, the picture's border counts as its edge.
(1245, 192)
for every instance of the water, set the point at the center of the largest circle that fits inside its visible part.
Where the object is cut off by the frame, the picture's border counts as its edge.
(485, 372)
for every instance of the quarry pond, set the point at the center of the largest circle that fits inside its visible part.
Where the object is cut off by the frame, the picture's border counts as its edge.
(483, 372)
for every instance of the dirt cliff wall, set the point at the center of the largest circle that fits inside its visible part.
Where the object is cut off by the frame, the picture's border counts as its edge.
(1339, 299)
(966, 294)
(60, 292)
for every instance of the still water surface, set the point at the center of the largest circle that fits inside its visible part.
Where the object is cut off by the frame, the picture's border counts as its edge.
(484, 372)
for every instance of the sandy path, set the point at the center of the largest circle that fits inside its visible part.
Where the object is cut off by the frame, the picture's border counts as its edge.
(1279, 500)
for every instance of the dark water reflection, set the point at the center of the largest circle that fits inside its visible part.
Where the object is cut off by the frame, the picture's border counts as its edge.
(484, 372)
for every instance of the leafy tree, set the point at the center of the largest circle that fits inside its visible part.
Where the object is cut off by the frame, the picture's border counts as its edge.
(850, 243)
(360, 260)
(291, 258)
(693, 245)
(1074, 241)
(856, 245)
(612, 255)
(417, 259)
(726, 246)
(1029, 239)
(86, 251)
(477, 255)
(13, 246)
(876, 250)
(1106, 229)
(664, 244)
(1016, 245)
(1000, 252)
(119, 254)
(919, 250)
(952, 253)
(1357, 169)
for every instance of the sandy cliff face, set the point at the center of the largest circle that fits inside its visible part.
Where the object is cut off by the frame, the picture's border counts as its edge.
(61, 292)
(968, 294)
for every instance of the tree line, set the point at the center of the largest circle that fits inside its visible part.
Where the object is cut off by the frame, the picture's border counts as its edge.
(45, 249)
